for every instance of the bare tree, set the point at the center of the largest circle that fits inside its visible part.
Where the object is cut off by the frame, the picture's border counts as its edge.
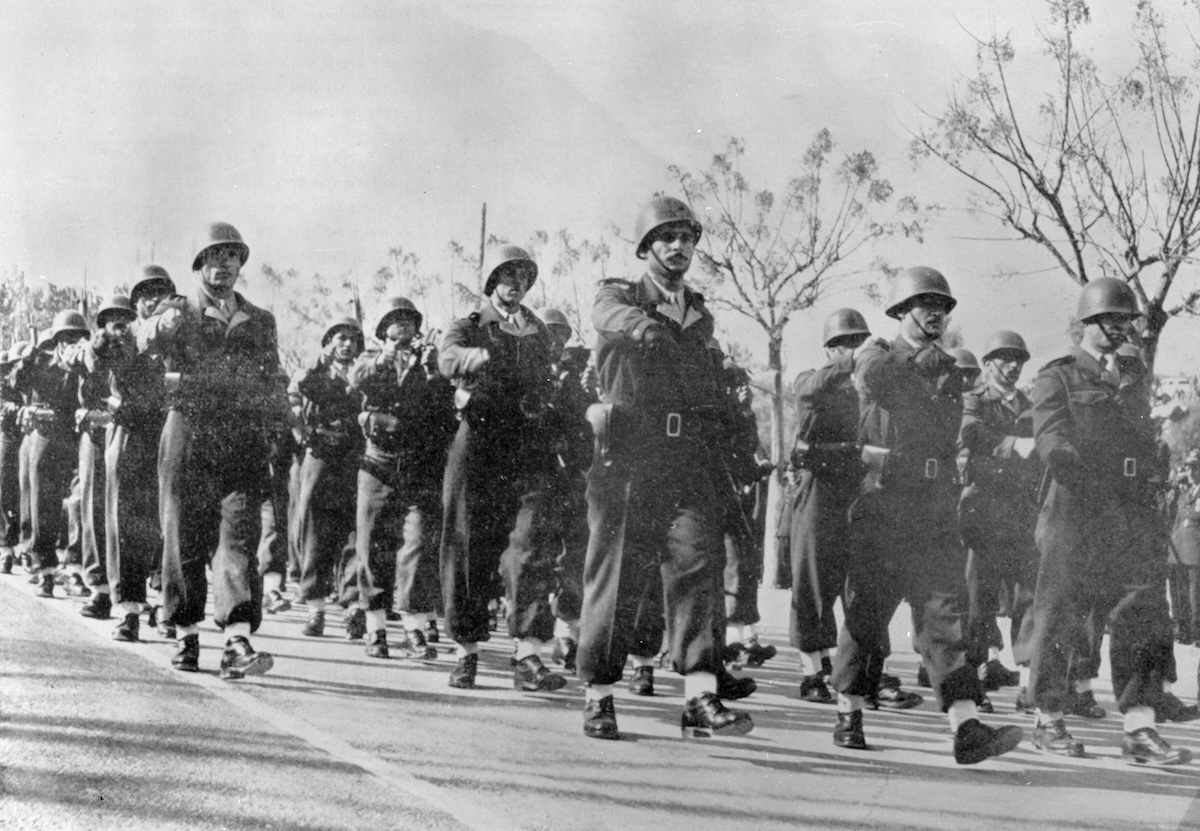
(766, 256)
(1104, 173)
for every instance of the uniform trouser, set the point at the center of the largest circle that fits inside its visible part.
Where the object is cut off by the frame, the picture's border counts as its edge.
(52, 459)
(133, 537)
(325, 527)
(91, 507)
(25, 479)
(1103, 558)
(743, 566)
(10, 488)
(656, 529)
(273, 541)
(569, 516)
(397, 539)
(70, 537)
(495, 532)
(212, 480)
(293, 517)
(1184, 583)
(1001, 569)
(820, 549)
(905, 545)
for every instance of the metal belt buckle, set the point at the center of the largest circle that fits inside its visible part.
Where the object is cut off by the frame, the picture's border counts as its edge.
(1130, 466)
(674, 425)
(931, 468)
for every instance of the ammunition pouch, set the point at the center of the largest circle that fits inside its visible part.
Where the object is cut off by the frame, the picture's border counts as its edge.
(842, 458)
(382, 430)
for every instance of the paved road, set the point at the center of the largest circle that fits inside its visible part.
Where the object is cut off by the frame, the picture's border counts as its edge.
(97, 735)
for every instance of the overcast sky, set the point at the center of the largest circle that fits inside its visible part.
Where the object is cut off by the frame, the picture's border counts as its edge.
(330, 132)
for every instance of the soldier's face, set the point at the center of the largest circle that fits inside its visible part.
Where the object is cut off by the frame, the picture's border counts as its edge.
(1107, 332)
(343, 345)
(221, 266)
(512, 286)
(116, 327)
(673, 247)
(560, 334)
(401, 331)
(929, 313)
(1005, 368)
(147, 303)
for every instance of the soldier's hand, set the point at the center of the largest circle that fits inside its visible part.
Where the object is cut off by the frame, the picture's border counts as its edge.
(475, 359)
(1023, 447)
(873, 342)
(652, 335)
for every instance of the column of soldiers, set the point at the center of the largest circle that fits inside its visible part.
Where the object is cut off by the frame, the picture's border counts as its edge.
(927, 477)
(601, 498)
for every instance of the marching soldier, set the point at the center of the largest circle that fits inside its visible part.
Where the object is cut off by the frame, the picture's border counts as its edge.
(500, 464)
(10, 445)
(137, 402)
(1100, 536)
(408, 418)
(1185, 552)
(830, 472)
(904, 530)
(94, 418)
(997, 510)
(213, 458)
(654, 513)
(326, 408)
(51, 388)
(568, 502)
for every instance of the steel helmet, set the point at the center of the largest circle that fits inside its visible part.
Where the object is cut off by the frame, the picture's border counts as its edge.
(965, 359)
(45, 339)
(1106, 295)
(221, 233)
(17, 351)
(118, 306)
(843, 323)
(152, 277)
(1005, 341)
(913, 282)
(68, 320)
(397, 307)
(554, 317)
(660, 211)
(343, 323)
(1192, 457)
(502, 255)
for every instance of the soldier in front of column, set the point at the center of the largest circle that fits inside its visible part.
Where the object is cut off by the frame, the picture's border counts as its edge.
(213, 458)
(904, 530)
(500, 464)
(50, 387)
(830, 473)
(656, 519)
(998, 510)
(326, 408)
(1101, 539)
(10, 445)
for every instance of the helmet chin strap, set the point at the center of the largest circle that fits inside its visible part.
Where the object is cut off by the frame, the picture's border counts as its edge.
(1115, 336)
(931, 335)
(674, 272)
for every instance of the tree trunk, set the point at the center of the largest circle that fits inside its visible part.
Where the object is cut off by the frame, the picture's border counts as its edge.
(775, 484)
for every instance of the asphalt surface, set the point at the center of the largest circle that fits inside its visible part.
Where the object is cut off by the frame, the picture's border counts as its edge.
(96, 735)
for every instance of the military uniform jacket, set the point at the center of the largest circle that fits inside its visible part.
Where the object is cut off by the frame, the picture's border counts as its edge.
(231, 371)
(409, 416)
(679, 376)
(990, 427)
(912, 404)
(1185, 537)
(828, 410)
(516, 385)
(50, 381)
(1092, 434)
